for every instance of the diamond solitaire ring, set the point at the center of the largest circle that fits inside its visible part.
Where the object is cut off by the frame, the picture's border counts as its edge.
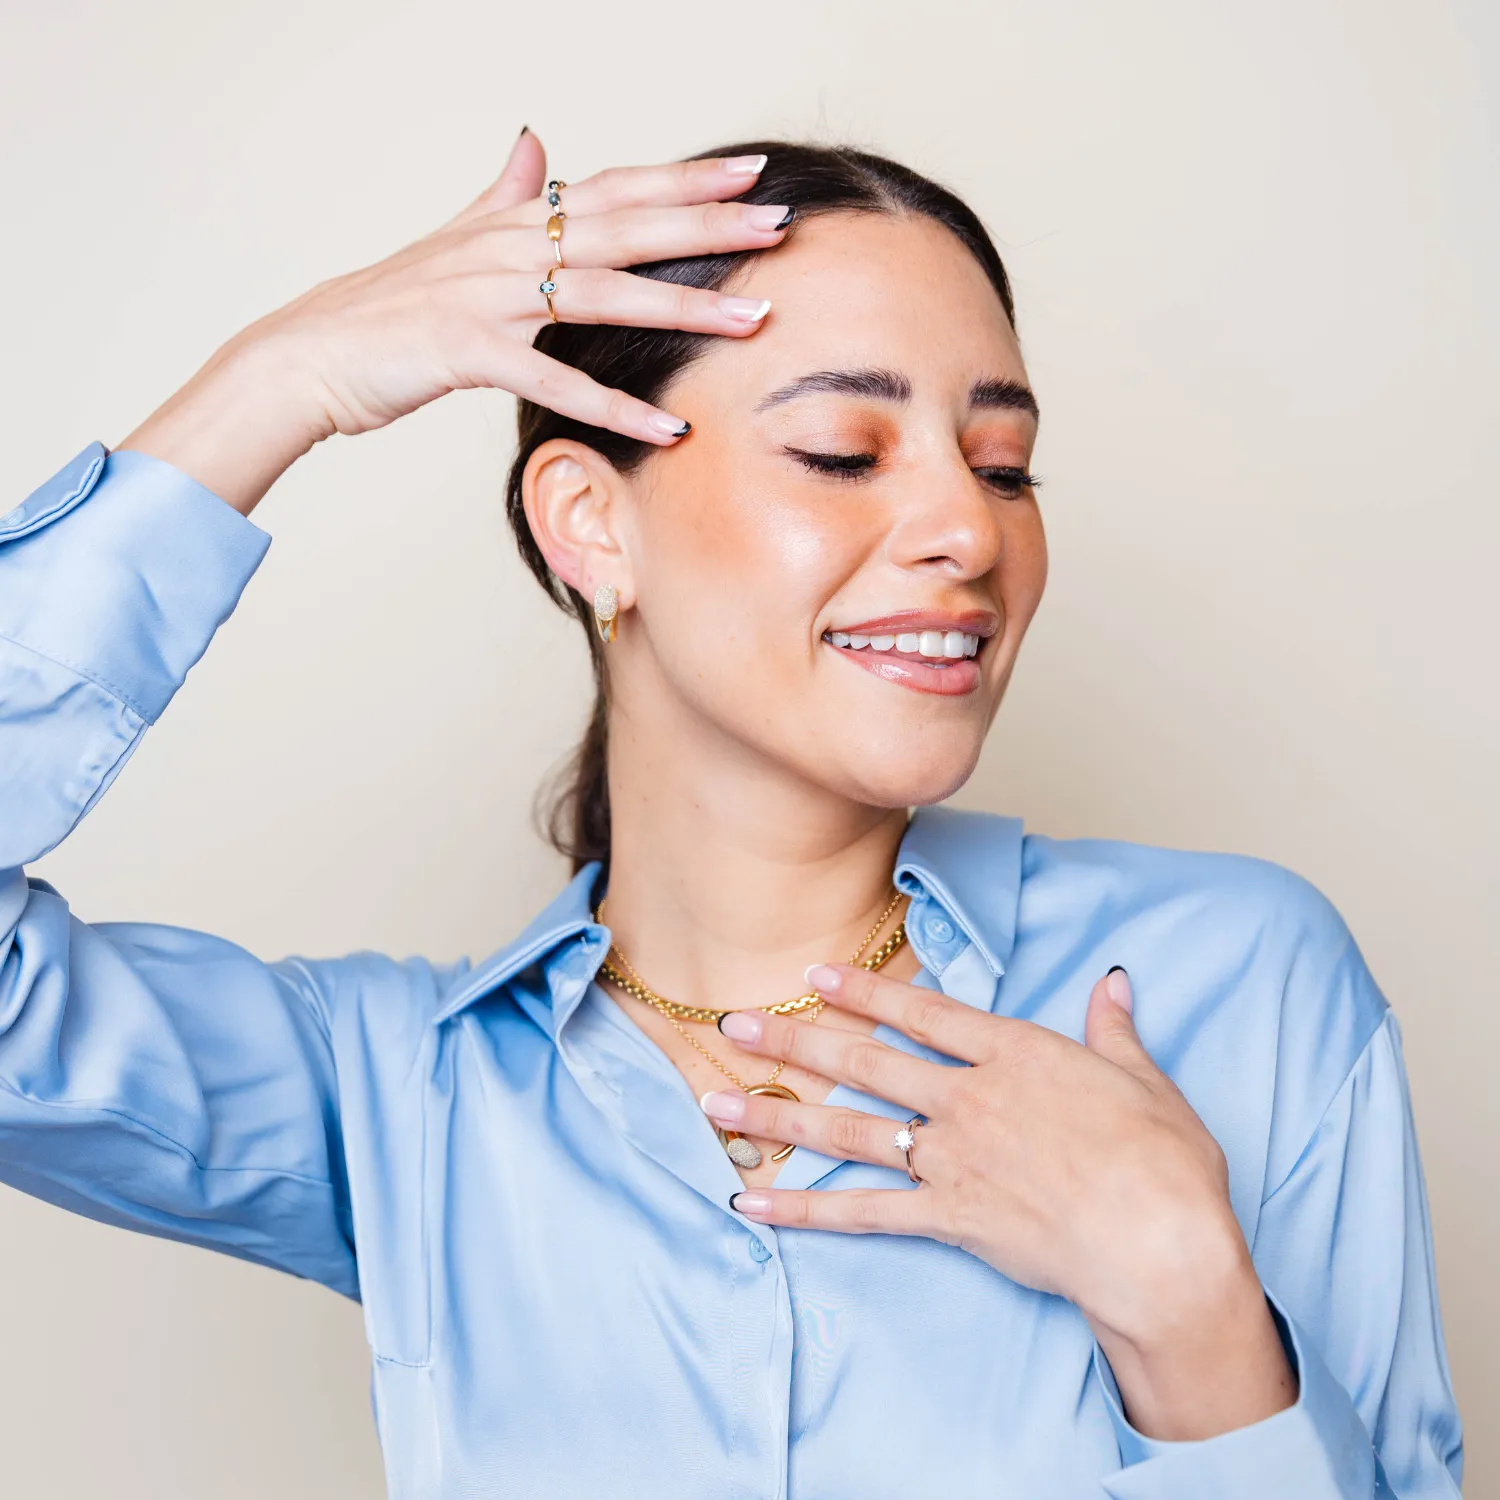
(906, 1138)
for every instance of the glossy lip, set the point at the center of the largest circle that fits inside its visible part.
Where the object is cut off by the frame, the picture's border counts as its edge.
(952, 681)
(958, 678)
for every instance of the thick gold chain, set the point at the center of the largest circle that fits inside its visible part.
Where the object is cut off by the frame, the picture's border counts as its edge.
(634, 986)
(620, 971)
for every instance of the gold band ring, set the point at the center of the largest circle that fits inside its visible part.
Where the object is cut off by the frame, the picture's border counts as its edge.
(906, 1138)
(554, 233)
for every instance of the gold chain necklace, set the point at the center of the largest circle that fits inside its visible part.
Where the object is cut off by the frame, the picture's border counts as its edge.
(621, 972)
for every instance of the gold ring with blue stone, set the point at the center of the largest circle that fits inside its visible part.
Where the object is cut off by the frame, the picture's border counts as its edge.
(547, 288)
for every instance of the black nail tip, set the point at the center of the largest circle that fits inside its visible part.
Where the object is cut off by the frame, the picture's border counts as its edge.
(525, 130)
(720, 1022)
(787, 218)
(732, 1198)
(1119, 969)
(683, 431)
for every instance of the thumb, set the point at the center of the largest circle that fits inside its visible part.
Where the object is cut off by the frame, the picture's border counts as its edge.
(1109, 1027)
(520, 180)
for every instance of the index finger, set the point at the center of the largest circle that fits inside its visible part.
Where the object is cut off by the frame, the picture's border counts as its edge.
(670, 185)
(926, 1016)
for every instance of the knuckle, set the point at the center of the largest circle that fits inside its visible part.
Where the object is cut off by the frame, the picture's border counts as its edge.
(865, 1062)
(926, 1017)
(617, 409)
(846, 1133)
(858, 985)
(866, 1211)
(796, 1210)
(608, 185)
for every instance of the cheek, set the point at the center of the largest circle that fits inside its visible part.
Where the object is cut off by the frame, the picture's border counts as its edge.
(1023, 569)
(771, 562)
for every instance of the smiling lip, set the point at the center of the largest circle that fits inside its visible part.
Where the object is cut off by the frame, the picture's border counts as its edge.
(950, 676)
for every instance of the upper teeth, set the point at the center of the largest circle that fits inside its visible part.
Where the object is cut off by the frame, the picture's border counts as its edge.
(937, 643)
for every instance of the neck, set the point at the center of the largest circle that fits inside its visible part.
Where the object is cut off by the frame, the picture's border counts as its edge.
(729, 876)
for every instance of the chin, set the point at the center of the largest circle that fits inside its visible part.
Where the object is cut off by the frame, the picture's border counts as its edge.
(916, 781)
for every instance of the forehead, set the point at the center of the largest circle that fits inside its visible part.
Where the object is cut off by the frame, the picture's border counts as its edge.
(852, 291)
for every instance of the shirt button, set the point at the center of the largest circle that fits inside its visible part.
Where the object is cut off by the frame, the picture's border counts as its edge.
(758, 1252)
(938, 930)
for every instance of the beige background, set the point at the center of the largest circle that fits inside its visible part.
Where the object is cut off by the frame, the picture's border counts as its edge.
(1254, 249)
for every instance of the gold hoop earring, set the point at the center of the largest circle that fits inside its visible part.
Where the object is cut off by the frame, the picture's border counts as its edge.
(606, 610)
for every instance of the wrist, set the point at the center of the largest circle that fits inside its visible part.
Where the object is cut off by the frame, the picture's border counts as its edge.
(1209, 1360)
(238, 424)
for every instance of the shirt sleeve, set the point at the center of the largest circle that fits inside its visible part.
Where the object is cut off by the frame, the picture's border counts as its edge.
(151, 1077)
(1344, 1250)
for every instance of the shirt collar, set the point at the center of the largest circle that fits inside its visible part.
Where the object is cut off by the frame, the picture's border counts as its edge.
(959, 868)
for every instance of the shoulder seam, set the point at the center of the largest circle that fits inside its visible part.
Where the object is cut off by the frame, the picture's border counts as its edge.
(1387, 1017)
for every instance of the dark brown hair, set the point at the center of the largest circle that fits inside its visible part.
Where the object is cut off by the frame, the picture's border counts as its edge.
(812, 180)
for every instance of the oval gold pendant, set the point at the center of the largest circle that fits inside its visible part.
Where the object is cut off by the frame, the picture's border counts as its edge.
(738, 1149)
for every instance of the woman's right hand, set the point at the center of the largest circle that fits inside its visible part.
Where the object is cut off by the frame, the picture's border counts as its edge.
(459, 309)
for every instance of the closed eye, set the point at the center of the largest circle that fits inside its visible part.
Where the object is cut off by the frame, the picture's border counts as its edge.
(1009, 479)
(840, 465)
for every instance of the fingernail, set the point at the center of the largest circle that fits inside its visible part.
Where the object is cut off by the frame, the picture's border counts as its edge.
(776, 216)
(524, 129)
(786, 218)
(823, 977)
(723, 1104)
(750, 1202)
(1117, 982)
(741, 1025)
(744, 166)
(672, 426)
(744, 309)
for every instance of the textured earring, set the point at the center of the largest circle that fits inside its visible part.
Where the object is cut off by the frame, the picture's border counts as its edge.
(606, 608)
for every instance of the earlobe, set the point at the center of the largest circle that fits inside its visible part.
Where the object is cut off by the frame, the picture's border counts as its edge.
(573, 498)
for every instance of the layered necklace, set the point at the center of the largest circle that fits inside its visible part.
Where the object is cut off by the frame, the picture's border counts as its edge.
(741, 1151)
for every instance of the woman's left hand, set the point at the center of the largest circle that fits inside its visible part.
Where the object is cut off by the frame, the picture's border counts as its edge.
(1079, 1170)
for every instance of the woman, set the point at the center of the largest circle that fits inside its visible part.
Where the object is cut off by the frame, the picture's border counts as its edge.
(1092, 1172)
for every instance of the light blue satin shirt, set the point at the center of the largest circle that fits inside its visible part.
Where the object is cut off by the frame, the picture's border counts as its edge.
(523, 1194)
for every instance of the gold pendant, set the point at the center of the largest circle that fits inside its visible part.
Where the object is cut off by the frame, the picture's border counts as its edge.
(744, 1152)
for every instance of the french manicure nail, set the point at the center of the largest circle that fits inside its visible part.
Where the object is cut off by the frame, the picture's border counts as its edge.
(659, 421)
(823, 978)
(741, 1025)
(750, 1202)
(744, 309)
(723, 1104)
(768, 217)
(786, 218)
(744, 166)
(1117, 982)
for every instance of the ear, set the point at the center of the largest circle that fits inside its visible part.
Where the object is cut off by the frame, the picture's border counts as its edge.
(575, 500)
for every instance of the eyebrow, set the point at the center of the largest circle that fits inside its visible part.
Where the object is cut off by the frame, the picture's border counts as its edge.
(890, 385)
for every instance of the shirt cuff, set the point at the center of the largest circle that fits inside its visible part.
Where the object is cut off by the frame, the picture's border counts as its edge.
(121, 568)
(1317, 1449)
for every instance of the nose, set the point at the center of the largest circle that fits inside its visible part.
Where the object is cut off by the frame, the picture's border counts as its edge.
(948, 523)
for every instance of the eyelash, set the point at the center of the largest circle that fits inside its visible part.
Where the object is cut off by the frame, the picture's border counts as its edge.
(857, 465)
